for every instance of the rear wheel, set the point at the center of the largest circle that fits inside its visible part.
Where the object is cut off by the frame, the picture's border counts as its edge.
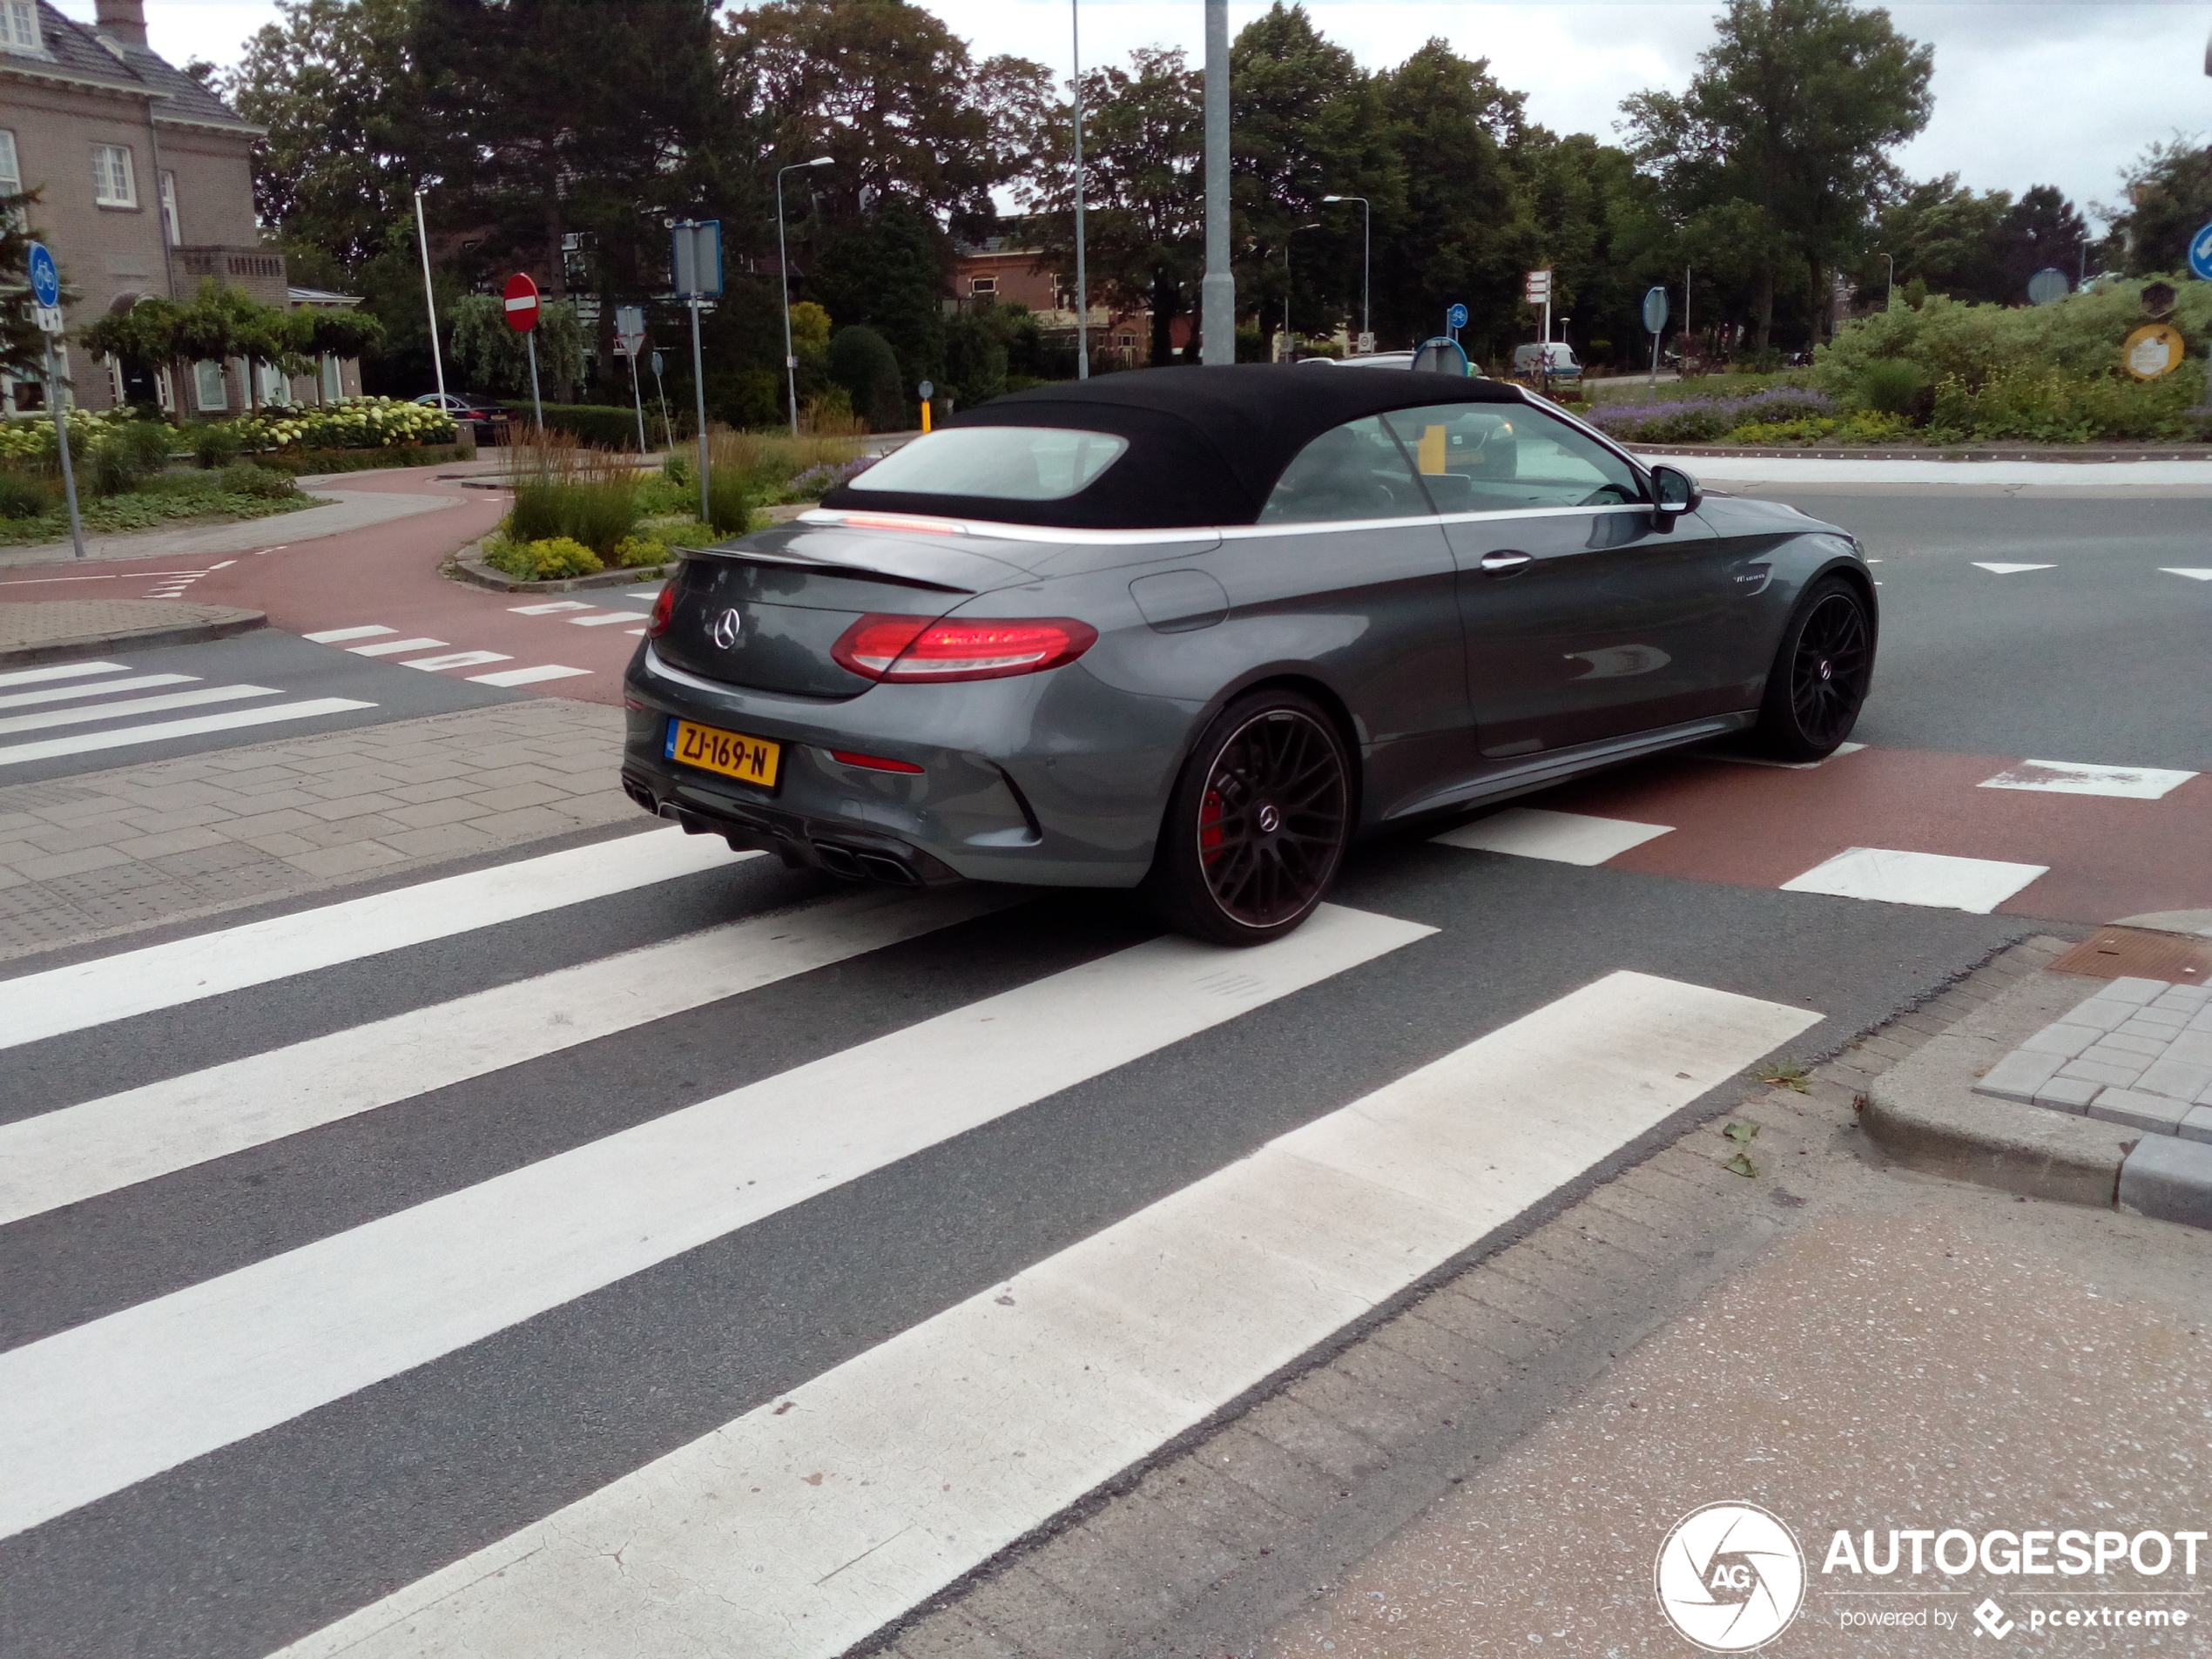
(1257, 823)
(1820, 675)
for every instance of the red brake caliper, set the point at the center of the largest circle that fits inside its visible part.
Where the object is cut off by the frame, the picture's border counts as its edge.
(1210, 815)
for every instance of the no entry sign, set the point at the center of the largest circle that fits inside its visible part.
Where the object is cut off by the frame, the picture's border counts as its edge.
(521, 303)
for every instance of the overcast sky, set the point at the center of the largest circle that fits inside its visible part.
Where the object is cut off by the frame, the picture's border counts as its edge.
(2027, 91)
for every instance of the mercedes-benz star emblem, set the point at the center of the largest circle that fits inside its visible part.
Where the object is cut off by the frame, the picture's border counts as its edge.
(726, 628)
(1269, 820)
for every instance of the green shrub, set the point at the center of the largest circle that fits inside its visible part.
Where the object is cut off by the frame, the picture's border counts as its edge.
(112, 472)
(547, 559)
(243, 478)
(634, 552)
(565, 489)
(608, 426)
(729, 502)
(2051, 405)
(216, 444)
(25, 495)
(349, 423)
(861, 361)
(1888, 386)
(691, 532)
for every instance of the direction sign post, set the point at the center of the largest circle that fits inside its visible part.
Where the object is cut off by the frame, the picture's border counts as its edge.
(2048, 287)
(522, 316)
(46, 293)
(629, 339)
(1538, 291)
(1455, 320)
(660, 391)
(696, 259)
(1654, 321)
(927, 390)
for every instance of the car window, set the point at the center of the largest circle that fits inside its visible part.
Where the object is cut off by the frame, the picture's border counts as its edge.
(1003, 462)
(1489, 458)
(1352, 471)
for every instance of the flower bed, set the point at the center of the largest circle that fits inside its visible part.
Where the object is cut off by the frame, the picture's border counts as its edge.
(350, 424)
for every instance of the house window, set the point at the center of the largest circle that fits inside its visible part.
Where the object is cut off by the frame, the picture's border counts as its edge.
(985, 285)
(169, 210)
(333, 386)
(276, 385)
(19, 26)
(114, 185)
(10, 174)
(208, 390)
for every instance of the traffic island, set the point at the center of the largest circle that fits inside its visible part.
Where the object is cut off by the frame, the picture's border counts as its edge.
(59, 630)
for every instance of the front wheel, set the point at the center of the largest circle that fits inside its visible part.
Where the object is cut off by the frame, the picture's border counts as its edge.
(1820, 675)
(1257, 825)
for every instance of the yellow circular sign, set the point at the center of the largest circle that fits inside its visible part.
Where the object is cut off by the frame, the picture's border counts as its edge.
(2152, 351)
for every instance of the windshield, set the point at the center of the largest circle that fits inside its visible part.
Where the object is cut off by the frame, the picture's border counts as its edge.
(1001, 462)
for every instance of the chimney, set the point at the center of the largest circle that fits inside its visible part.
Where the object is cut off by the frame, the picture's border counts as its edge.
(126, 20)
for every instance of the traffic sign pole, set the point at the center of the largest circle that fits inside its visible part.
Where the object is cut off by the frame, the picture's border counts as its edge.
(54, 407)
(698, 396)
(638, 398)
(521, 303)
(537, 403)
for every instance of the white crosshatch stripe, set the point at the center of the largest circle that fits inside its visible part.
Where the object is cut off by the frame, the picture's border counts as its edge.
(84, 995)
(456, 659)
(2075, 778)
(169, 730)
(64, 671)
(1562, 837)
(886, 1478)
(1936, 880)
(332, 636)
(161, 704)
(393, 647)
(104, 1405)
(105, 688)
(509, 676)
(75, 1153)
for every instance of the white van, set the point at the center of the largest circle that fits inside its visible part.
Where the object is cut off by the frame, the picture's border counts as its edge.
(1529, 361)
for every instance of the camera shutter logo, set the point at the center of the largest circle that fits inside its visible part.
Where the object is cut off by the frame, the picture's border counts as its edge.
(727, 627)
(1730, 1577)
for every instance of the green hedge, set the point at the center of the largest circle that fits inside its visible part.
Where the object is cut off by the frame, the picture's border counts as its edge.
(607, 425)
(299, 463)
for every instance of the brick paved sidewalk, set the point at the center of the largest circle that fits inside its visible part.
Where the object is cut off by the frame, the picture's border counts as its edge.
(87, 857)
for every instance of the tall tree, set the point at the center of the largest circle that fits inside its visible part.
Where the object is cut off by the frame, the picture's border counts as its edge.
(2042, 229)
(1948, 235)
(1305, 122)
(1794, 109)
(2169, 199)
(333, 83)
(1144, 201)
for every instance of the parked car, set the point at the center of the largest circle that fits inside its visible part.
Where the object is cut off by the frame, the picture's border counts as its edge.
(1191, 630)
(1529, 361)
(488, 419)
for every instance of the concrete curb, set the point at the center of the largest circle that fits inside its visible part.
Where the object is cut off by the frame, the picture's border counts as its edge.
(83, 645)
(1923, 1113)
(465, 566)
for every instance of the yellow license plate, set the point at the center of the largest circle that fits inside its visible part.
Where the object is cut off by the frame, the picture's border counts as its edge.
(751, 761)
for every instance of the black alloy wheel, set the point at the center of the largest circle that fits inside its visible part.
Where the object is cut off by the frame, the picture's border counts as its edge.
(1820, 675)
(1257, 823)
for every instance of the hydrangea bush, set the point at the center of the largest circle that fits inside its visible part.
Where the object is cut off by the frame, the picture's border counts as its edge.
(350, 424)
(30, 437)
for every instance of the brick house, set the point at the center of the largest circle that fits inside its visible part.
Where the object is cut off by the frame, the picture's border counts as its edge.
(148, 187)
(1001, 270)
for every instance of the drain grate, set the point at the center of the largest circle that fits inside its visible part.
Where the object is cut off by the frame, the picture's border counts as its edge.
(2117, 953)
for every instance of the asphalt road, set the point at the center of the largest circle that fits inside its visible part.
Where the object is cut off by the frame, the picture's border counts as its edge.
(254, 1535)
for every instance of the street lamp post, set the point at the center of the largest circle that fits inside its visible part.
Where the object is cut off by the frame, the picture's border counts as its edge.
(1082, 286)
(430, 302)
(1218, 313)
(1889, 299)
(1366, 262)
(782, 271)
(1290, 340)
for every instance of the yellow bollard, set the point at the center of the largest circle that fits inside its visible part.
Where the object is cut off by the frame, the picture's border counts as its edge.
(924, 417)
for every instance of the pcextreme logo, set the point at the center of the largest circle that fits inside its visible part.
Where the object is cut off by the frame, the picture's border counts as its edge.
(1730, 1577)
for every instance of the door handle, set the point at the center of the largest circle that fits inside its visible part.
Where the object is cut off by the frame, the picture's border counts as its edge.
(1505, 563)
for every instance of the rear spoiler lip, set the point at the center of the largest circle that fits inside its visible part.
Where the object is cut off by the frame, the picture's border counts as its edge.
(822, 567)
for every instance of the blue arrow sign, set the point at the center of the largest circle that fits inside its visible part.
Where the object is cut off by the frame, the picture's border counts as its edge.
(45, 281)
(1456, 317)
(2201, 253)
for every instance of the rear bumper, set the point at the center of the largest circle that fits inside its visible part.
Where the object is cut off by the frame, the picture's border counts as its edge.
(975, 811)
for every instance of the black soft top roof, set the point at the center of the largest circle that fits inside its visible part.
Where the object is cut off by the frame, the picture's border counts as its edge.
(1205, 445)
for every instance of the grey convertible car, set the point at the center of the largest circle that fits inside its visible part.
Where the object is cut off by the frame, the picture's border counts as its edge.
(1190, 631)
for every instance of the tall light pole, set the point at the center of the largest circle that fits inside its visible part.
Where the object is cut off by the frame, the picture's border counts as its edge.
(430, 302)
(1218, 297)
(1083, 286)
(783, 270)
(1366, 264)
(1290, 340)
(1889, 301)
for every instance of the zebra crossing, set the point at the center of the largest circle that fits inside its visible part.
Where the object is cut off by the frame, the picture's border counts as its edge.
(81, 694)
(432, 657)
(900, 1220)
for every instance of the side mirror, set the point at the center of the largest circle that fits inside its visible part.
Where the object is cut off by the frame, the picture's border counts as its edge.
(1674, 492)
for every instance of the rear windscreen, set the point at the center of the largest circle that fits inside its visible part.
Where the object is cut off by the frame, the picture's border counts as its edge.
(1002, 463)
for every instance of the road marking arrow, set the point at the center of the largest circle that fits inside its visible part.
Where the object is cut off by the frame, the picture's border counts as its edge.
(2011, 569)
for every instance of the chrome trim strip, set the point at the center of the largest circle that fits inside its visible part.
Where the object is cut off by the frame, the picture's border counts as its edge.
(670, 671)
(827, 518)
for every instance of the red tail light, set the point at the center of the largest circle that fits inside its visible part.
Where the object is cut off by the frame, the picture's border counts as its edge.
(663, 608)
(881, 647)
